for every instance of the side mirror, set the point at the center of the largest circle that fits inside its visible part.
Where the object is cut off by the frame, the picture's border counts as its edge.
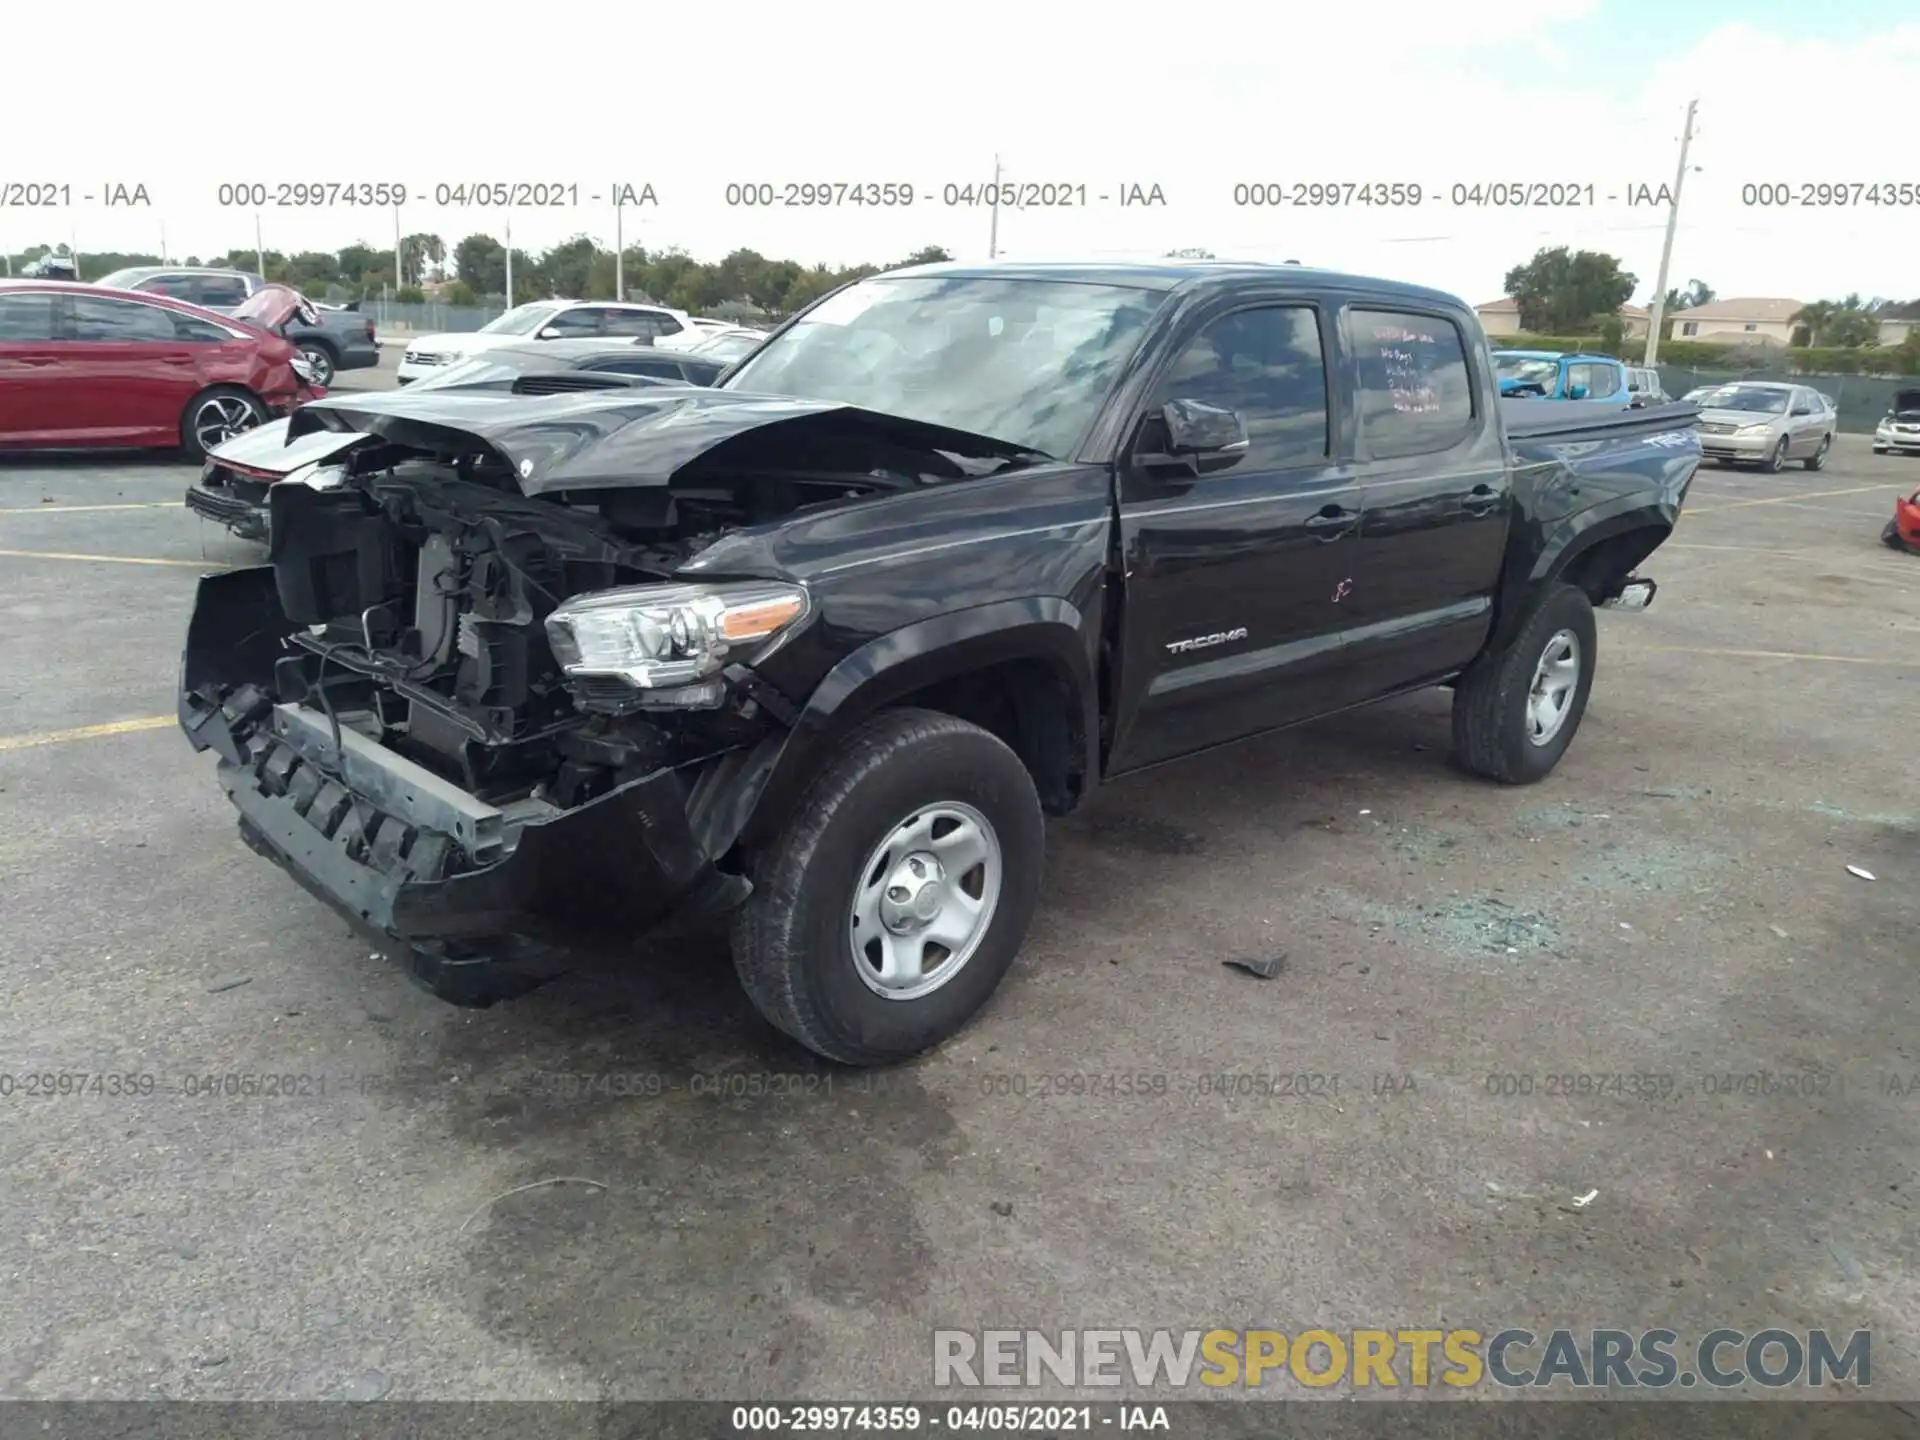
(1200, 437)
(552, 332)
(1576, 392)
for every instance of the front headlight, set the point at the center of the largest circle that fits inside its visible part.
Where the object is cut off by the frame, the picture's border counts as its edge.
(1759, 429)
(661, 638)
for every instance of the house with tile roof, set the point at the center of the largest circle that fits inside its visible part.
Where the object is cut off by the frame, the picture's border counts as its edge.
(1742, 320)
(1502, 317)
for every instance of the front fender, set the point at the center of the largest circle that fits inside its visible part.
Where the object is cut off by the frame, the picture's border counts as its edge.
(766, 783)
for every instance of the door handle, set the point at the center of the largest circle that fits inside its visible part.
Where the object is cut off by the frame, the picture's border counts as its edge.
(1333, 522)
(1480, 500)
(34, 360)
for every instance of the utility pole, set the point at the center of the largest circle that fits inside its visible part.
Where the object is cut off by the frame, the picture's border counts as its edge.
(619, 255)
(259, 246)
(1658, 318)
(399, 265)
(509, 261)
(993, 233)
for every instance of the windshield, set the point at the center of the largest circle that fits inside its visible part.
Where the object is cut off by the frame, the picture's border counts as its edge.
(523, 320)
(1024, 361)
(727, 347)
(123, 279)
(1528, 370)
(1745, 397)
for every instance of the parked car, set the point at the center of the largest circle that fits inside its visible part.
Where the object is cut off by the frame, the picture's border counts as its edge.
(338, 338)
(1644, 387)
(51, 267)
(1598, 380)
(818, 647)
(233, 484)
(728, 346)
(1899, 429)
(554, 320)
(1765, 423)
(83, 367)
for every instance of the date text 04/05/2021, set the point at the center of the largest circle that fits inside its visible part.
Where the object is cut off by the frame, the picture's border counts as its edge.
(442, 194)
(954, 1419)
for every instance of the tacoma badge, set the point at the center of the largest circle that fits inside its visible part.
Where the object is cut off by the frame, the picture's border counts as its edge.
(1202, 642)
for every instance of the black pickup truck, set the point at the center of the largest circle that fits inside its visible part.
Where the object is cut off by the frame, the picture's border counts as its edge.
(817, 649)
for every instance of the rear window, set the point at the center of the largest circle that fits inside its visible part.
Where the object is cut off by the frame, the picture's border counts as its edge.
(1415, 392)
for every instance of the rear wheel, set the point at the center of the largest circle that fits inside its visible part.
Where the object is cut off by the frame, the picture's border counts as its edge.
(320, 359)
(1776, 461)
(1516, 711)
(1818, 460)
(895, 900)
(215, 416)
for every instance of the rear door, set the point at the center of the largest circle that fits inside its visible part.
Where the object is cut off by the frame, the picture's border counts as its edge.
(1437, 500)
(129, 372)
(1806, 423)
(33, 410)
(1231, 607)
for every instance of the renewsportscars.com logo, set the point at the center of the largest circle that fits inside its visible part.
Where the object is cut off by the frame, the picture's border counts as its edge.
(1601, 1358)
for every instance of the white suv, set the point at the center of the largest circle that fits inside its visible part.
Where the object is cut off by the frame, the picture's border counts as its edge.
(553, 320)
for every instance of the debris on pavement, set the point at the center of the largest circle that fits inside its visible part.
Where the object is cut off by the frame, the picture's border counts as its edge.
(1857, 870)
(1264, 967)
(1580, 1202)
(1002, 1208)
(522, 1189)
(231, 984)
(1779, 932)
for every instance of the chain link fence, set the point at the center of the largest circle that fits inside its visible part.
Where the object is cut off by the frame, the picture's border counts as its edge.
(1861, 400)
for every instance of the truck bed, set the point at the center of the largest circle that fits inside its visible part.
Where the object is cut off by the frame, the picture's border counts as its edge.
(1527, 419)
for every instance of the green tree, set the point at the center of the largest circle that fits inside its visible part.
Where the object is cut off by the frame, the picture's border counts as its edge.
(1697, 293)
(1561, 291)
(480, 263)
(1837, 324)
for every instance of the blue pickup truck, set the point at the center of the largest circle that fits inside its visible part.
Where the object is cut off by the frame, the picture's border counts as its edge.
(1555, 375)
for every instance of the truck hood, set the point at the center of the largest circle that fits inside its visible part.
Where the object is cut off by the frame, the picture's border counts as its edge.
(266, 448)
(609, 439)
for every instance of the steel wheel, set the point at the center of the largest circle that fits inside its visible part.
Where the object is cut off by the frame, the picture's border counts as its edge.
(321, 364)
(1554, 680)
(218, 418)
(924, 901)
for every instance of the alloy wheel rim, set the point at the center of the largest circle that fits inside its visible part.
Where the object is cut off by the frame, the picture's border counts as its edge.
(322, 367)
(220, 419)
(924, 900)
(1555, 678)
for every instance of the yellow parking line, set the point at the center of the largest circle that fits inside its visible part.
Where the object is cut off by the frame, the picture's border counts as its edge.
(75, 509)
(1786, 499)
(107, 559)
(1767, 655)
(86, 732)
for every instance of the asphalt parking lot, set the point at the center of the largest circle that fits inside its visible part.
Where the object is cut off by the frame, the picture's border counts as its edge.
(1674, 901)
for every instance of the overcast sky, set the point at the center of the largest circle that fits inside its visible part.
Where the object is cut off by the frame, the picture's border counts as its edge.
(1193, 97)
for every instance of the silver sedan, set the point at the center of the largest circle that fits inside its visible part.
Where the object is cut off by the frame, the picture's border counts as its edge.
(1766, 423)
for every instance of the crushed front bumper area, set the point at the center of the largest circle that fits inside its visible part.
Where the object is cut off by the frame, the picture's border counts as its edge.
(237, 502)
(481, 902)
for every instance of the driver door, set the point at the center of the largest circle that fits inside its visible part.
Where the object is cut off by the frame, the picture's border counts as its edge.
(1234, 577)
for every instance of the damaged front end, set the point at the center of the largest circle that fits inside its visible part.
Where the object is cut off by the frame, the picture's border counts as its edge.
(485, 700)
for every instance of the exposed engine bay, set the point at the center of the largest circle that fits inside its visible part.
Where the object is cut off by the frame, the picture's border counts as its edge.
(422, 584)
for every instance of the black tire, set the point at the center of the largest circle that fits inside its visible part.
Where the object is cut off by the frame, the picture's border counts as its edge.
(233, 402)
(1491, 733)
(1890, 537)
(790, 940)
(1818, 460)
(322, 359)
(1776, 461)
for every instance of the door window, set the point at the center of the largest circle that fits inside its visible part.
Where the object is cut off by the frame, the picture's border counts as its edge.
(642, 323)
(1415, 392)
(26, 319)
(1267, 365)
(1603, 380)
(100, 320)
(581, 320)
(218, 292)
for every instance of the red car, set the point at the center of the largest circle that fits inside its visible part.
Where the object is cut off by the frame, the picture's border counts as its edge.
(82, 367)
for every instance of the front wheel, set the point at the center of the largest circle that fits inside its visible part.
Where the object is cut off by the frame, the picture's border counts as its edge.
(215, 416)
(897, 896)
(1516, 711)
(1818, 460)
(1777, 460)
